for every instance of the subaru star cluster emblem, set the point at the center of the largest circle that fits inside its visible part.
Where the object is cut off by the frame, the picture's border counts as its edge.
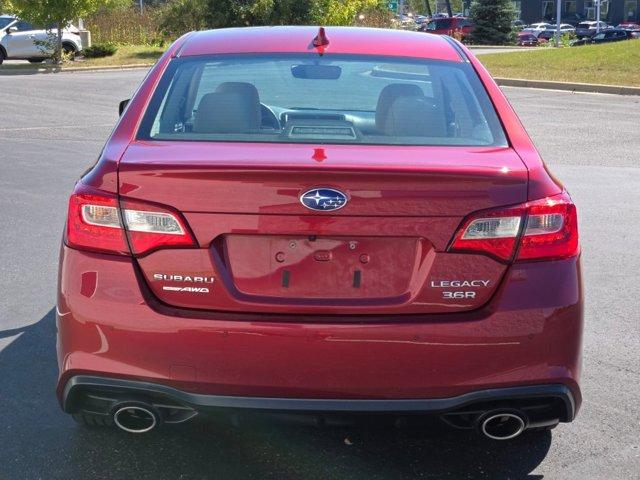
(323, 199)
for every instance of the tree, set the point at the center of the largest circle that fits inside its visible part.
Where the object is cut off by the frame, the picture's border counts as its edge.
(493, 22)
(55, 15)
(347, 12)
(181, 16)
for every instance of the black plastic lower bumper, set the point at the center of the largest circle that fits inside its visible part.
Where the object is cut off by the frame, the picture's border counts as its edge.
(544, 404)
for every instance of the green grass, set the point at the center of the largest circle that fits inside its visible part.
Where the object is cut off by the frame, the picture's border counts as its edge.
(611, 64)
(126, 55)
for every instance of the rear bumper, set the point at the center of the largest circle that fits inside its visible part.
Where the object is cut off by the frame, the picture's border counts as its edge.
(542, 404)
(79, 385)
(529, 334)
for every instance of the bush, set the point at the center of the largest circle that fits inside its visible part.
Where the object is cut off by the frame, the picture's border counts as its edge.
(364, 13)
(159, 24)
(178, 17)
(99, 50)
(127, 26)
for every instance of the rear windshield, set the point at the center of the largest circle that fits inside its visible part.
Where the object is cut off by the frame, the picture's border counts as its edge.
(307, 98)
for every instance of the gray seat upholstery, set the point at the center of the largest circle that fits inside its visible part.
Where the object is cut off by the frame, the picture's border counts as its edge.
(234, 107)
(388, 95)
(413, 117)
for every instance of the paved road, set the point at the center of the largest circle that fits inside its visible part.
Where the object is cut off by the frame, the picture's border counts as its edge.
(52, 127)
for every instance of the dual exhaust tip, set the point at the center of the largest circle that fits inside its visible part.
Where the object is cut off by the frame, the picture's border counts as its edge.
(502, 425)
(138, 417)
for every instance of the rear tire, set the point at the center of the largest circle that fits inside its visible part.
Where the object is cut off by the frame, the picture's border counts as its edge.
(69, 50)
(92, 420)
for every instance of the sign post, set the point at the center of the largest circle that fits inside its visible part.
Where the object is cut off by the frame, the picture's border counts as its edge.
(558, 15)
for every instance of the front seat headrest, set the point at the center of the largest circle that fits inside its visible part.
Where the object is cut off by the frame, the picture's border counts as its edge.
(414, 117)
(389, 94)
(222, 112)
(249, 91)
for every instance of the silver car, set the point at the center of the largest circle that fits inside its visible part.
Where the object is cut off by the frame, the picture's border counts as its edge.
(22, 41)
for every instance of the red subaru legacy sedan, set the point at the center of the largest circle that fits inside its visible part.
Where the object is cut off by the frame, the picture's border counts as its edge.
(349, 221)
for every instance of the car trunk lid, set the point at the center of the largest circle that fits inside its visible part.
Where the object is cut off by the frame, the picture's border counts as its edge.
(261, 250)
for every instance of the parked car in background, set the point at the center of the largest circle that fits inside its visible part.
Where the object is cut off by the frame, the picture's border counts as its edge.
(537, 28)
(20, 40)
(565, 29)
(615, 35)
(449, 26)
(527, 39)
(634, 27)
(420, 19)
(589, 29)
(518, 25)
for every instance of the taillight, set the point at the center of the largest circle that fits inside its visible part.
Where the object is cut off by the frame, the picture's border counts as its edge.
(540, 230)
(93, 222)
(96, 222)
(551, 231)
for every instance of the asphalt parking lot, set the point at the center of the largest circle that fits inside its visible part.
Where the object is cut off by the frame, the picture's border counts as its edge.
(52, 128)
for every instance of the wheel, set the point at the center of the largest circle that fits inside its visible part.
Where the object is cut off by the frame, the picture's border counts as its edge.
(36, 60)
(69, 51)
(2, 56)
(92, 420)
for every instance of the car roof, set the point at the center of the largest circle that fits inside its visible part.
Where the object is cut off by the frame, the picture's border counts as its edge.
(342, 40)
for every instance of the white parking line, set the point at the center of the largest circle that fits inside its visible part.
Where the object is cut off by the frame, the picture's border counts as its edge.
(25, 129)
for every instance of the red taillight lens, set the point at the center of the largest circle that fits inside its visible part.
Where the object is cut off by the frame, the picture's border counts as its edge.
(542, 230)
(97, 223)
(551, 231)
(93, 222)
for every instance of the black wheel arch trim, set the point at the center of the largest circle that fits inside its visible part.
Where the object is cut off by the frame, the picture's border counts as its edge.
(430, 405)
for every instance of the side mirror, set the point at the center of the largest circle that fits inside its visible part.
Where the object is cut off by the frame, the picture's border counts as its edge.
(123, 104)
(11, 30)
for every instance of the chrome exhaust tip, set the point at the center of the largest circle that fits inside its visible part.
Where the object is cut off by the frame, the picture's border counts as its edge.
(504, 425)
(135, 417)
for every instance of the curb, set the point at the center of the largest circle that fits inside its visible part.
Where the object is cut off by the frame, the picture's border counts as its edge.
(568, 86)
(31, 71)
(498, 47)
